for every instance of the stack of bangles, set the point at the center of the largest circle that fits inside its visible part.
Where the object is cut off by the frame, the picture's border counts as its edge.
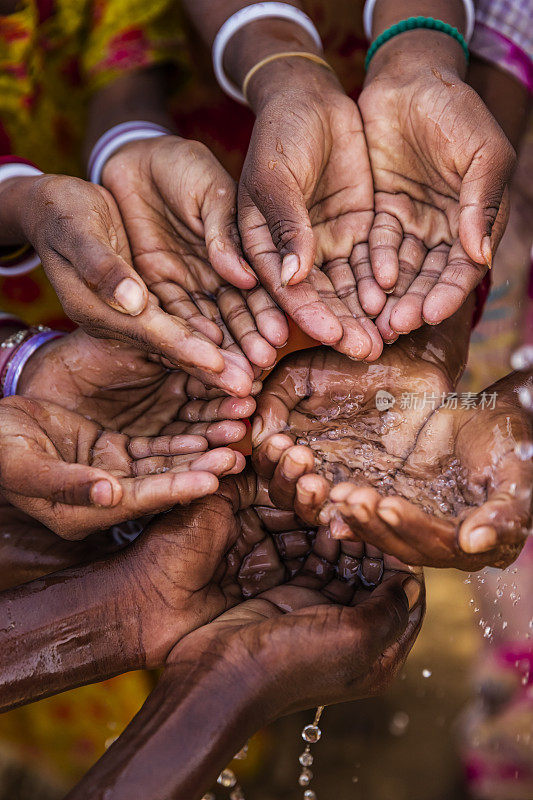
(17, 349)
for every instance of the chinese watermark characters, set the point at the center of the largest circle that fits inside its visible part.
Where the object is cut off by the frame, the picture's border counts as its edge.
(420, 401)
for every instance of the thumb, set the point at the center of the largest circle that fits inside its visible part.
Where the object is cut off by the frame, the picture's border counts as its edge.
(110, 276)
(38, 475)
(283, 206)
(480, 201)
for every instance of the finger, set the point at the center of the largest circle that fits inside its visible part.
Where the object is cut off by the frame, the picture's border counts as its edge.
(359, 509)
(384, 241)
(300, 301)
(406, 315)
(157, 493)
(294, 462)
(370, 294)
(311, 494)
(270, 320)
(241, 324)
(282, 205)
(421, 539)
(410, 258)
(236, 377)
(219, 434)
(145, 447)
(267, 455)
(460, 277)
(503, 521)
(33, 473)
(105, 265)
(356, 341)
(217, 409)
(382, 617)
(177, 302)
(482, 190)
(222, 234)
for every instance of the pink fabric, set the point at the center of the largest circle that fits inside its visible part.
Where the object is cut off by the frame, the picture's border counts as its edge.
(491, 45)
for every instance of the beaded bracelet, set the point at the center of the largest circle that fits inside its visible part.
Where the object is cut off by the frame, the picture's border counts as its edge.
(411, 24)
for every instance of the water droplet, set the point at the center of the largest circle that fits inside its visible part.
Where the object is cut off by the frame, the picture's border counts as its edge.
(399, 723)
(309, 795)
(426, 673)
(311, 734)
(227, 778)
(305, 777)
(306, 759)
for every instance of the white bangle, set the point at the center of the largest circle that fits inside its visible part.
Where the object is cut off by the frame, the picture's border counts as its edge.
(244, 17)
(32, 260)
(470, 15)
(114, 138)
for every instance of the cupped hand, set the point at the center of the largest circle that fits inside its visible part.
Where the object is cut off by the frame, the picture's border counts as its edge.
(306, 207)
(419, 475)
(77, 230)
(123, 389)
(323, 624)
(441, 166)
(76, 478)
(178, 206)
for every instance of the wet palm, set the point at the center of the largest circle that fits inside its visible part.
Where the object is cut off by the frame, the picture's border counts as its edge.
(431, 485)
(121, 388)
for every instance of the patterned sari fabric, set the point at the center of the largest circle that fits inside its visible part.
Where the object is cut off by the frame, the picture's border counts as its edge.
(54, 54)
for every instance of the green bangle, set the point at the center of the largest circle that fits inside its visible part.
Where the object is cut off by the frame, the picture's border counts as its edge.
(412, 24)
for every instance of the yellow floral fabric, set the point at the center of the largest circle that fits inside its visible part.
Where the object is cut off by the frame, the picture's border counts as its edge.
(54, 54)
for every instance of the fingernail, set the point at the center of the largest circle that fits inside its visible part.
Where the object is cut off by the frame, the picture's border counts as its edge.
(486, 251)
(291, 469)
(389, 516)
(257, 429)
(102, 494)
(289, 268)
(247, 268)
(360, 512)
(130, 296)
(478, 540)
(412, 590)
(339, 529)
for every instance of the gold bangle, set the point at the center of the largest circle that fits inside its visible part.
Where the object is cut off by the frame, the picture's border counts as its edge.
(290, 54)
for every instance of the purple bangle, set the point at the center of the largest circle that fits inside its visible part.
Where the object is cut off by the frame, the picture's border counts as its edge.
(22, 355)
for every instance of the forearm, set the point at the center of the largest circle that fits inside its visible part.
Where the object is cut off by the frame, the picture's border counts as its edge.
(200, 714)
(70, 628)
(258, 40)
(141, 95)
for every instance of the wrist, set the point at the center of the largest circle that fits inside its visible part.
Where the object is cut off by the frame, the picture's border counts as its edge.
(418, 54)
(14, 200)
(285, 78)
